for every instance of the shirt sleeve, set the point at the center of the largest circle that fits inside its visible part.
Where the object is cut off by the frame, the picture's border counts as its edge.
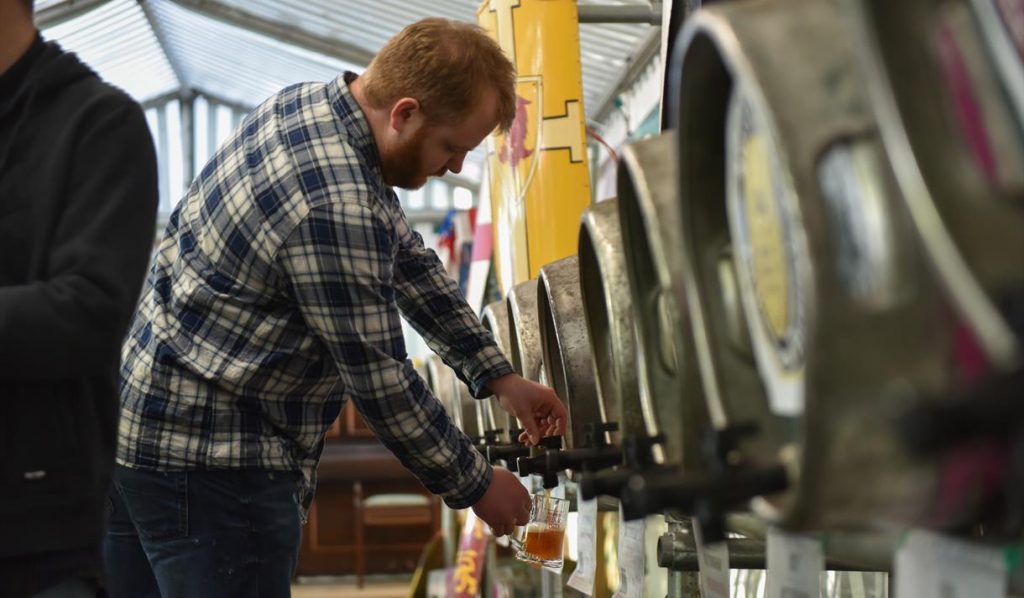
(435, 306)
(339, 264)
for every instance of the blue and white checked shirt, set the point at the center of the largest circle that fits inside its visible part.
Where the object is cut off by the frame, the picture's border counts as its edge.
(275, 296)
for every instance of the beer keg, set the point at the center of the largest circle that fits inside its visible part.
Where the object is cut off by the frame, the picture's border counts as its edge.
(495, 320)
(525, 349)
(671, 395)
(607, 308)
(814, 317)
(946, 81)
(566, 347)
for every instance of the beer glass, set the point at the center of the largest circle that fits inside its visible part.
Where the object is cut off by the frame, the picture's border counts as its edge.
(540, 540)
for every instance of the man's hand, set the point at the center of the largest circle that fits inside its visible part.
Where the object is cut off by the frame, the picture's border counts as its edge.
(536, 406)
(505, 504)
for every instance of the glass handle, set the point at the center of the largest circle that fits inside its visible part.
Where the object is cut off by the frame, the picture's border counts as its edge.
(515, 539)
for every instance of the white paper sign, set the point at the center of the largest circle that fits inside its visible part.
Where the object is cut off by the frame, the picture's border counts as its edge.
(631, 558)
(713, 560)
(586, 561)
(795, 565)
(930, 564)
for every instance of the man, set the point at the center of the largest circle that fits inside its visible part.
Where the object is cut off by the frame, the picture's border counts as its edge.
(275, 296)
(78, 198)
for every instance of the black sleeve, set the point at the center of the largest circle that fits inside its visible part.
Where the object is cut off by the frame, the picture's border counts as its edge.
(73, 323)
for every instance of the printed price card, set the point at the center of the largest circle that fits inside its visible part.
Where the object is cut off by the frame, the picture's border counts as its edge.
(795, 565)
(930, 564)
(586, 562)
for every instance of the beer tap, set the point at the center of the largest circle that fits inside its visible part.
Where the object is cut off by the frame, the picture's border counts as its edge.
(538, 464)
(479, 444)
(637, 456)
(725, 483)
(508, 452)
(489, 439)
(594, 454)
(981, 429)
(992, 410)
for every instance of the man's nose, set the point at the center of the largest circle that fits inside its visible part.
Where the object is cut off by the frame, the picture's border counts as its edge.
(455, 164)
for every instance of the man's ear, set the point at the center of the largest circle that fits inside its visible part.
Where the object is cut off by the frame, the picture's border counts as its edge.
(404, 112)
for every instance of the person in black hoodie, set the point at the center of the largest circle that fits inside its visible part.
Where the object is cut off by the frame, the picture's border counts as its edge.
(78, 198)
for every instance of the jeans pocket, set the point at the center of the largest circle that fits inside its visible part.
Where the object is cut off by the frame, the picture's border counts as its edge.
(157, 501)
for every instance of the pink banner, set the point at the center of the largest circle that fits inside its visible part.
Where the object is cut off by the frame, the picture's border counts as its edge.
(469, 562)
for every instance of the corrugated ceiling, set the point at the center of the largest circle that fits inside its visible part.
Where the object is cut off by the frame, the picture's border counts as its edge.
(116, 40)
(233, 63)
(211, 45)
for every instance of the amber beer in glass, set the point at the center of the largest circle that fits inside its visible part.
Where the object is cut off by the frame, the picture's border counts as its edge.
(543, 542)
(544, 534)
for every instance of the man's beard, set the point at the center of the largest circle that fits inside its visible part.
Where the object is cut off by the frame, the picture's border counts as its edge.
(403, 167)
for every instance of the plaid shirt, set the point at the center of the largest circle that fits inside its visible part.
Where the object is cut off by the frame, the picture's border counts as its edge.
(275, 296)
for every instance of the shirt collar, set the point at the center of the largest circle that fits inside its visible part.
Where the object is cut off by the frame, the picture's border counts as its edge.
(354, 122)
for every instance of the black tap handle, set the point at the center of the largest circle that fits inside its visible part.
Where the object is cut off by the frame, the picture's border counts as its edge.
(607, 456)
(719, 443)
(652, 491)
(603, 483)
(992, 410)
(557, 460)
(551, 442)
(593, 434)
(733, 489)
(507, 452)
(591, 458)
(699, 494)
(637, 450)
(492, 436)
(742, 485)
(532, 465)
(527, 465)
(711, 518)
(549, 479)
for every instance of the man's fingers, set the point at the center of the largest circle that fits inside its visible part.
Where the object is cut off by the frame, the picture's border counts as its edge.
(531, 430)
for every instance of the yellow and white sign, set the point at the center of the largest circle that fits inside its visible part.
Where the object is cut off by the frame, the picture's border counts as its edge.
(772, 259)
(540, 183)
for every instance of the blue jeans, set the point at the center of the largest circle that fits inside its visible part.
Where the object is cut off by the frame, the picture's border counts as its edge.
(192, 534)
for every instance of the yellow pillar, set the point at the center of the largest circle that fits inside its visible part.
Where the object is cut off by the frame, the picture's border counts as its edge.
(540, 183)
